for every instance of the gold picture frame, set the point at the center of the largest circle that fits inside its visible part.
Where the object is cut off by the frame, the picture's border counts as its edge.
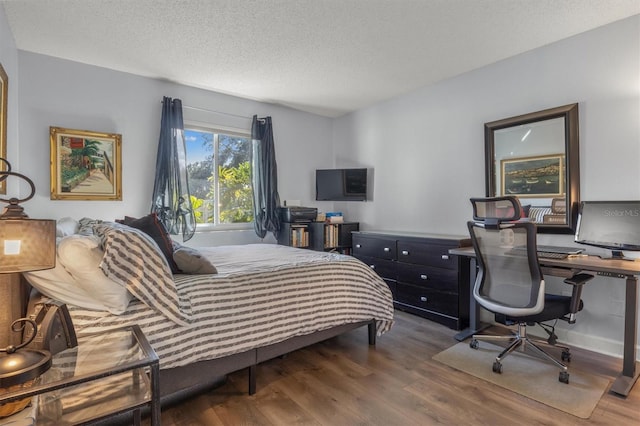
(4, 94)
(529, 177)
(85, 165)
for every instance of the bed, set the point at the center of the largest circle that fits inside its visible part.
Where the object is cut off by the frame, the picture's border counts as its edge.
(221, 310)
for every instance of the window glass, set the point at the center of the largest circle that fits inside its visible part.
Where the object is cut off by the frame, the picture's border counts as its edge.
(219, 173)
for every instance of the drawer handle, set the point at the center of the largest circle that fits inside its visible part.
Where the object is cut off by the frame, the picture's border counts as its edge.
(386, 249)
(358, 246)
(445, 257)
(372, 266)
(423, 298)
(423, 277)
(405, 252)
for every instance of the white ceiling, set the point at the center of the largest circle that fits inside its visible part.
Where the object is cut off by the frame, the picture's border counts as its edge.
(327, 57)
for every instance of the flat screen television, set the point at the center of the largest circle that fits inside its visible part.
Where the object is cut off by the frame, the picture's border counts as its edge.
(341, 184)
(614, 225)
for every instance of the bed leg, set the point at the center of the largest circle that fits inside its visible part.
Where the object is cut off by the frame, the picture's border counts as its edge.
(252, 379)
(372, 333)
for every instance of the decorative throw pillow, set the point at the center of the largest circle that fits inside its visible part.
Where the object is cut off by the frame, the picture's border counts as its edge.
(134, 260)
(191, 261)
(152, 226)
(81, 256)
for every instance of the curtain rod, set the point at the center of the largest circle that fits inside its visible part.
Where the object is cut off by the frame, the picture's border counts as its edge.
(219, 112)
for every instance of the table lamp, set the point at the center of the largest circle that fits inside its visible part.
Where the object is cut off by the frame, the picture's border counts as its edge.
(25, 245)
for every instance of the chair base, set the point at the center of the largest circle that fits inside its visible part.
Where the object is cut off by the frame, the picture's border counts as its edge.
(520, 341)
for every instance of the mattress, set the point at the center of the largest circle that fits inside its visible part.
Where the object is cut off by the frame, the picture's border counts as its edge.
(262, 294)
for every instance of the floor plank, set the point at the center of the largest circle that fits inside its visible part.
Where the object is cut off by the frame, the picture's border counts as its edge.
(344, 381)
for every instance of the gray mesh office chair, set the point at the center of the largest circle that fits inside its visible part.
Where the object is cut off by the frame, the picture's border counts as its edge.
(510, 282)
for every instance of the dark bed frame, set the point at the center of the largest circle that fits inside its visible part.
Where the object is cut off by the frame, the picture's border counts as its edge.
(181, 382)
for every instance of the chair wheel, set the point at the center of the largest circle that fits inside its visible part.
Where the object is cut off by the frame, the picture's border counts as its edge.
(566, 356)
(564, 377)
(473, 344)
(497, 367)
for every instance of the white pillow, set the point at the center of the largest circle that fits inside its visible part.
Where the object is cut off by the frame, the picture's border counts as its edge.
(81, 256)
(57, 284)
(66, 226)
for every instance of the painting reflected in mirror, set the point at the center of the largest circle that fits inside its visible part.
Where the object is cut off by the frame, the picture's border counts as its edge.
(535, 157)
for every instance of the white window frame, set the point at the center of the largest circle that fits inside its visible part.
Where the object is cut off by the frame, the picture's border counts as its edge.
(216, 130)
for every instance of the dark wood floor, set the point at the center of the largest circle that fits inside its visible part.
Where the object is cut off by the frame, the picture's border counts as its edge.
(343, 381)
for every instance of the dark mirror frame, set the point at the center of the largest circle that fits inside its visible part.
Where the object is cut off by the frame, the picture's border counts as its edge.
(572, 159)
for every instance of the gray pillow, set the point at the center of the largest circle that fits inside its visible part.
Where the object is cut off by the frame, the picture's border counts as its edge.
(85, 225)
(191, 261)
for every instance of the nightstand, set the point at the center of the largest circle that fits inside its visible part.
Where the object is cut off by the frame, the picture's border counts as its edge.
(107, 374)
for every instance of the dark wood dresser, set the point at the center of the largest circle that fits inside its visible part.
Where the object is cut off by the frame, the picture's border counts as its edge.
(424, 278)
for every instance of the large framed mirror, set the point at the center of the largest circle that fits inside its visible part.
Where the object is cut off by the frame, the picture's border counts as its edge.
(536, 157)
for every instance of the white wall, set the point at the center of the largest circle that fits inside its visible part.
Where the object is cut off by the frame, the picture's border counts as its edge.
(46, 91)
(427, 147)
(61, 93)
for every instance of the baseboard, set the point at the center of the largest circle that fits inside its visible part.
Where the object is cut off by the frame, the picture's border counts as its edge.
(593, 343)
(576, 339)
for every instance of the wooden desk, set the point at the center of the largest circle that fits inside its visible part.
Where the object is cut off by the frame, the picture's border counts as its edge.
(623, 269)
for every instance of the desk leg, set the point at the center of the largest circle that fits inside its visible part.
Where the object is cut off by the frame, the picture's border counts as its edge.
(630, 370)
(474, 309)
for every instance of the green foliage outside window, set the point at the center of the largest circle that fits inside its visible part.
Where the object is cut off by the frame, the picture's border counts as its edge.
(235, 193)
(232, 186)
(199, 208)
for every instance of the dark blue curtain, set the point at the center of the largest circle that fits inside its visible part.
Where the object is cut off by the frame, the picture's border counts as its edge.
(171, 199)
(265, 178)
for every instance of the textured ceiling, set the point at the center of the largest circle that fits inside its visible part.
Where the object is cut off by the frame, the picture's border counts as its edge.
(327, 57)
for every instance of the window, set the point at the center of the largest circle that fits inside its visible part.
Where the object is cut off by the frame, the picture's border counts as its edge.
(219, 173)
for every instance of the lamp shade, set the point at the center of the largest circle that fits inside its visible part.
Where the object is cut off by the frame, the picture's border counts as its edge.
(27, 245)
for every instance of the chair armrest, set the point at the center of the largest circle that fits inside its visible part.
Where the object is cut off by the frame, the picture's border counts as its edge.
(577, 281)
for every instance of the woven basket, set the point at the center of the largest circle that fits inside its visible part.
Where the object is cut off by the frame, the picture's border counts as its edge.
(10, 408)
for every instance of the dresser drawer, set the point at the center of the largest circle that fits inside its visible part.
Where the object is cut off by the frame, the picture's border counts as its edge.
(427, 254)
(424, 279)
(428, 277)
(427, 299)
(385, 268)
(384, 248)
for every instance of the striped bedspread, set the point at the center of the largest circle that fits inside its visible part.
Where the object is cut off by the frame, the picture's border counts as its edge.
(262, 294)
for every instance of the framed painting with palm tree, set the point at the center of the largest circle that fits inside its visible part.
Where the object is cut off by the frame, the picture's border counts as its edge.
(85, 165)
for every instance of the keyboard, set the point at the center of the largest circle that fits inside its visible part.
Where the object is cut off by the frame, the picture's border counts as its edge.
(559, 249)
(552, 254)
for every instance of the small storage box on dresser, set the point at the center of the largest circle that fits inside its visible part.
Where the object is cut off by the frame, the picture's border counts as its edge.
(424, 278)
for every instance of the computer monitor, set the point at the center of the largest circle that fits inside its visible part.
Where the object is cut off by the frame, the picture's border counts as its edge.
(614, 225)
